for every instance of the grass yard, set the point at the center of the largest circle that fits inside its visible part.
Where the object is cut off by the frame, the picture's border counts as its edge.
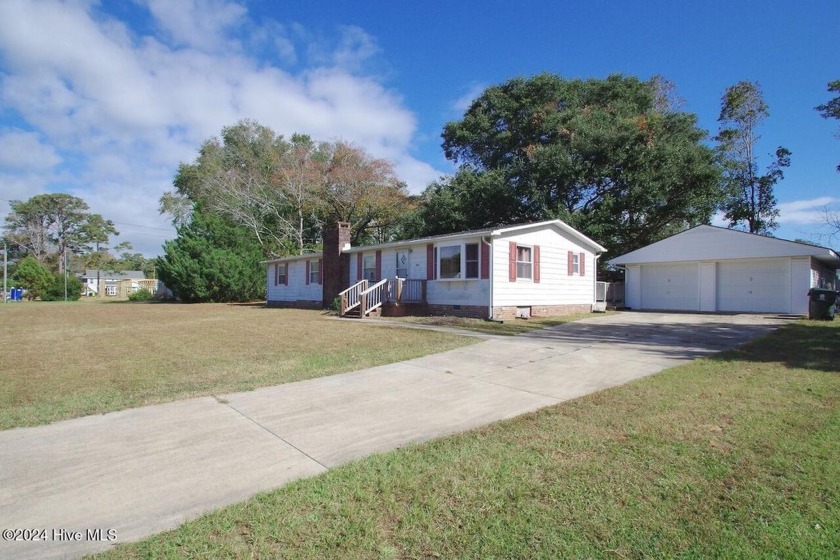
(730, 457)
(510, 328)
(63, 360)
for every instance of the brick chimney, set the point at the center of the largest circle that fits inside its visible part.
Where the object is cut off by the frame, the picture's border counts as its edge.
(336, 264)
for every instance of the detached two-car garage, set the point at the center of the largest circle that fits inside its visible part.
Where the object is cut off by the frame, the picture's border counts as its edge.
(714, 269)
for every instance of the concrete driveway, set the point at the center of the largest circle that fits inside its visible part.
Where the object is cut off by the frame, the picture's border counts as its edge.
(133, 473)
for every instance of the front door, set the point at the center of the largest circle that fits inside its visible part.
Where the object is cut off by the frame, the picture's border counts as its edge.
(403, 263)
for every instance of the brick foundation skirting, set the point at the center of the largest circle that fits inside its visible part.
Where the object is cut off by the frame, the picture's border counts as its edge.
(475, 311)
(300, 304)
(500, 313)
(504, 313)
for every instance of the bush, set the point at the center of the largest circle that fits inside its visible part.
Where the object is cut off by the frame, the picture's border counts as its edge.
(55, 289)
(141, 295)
(34, 277)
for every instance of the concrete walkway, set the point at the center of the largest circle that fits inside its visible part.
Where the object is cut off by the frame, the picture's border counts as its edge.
(141, 471)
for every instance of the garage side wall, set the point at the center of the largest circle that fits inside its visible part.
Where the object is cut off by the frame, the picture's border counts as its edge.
(822, 276)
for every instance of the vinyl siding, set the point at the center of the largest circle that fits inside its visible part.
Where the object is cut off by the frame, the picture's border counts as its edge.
(555, 287)
(416, 267)
(297, 290)
(708, 243)
(822, 276)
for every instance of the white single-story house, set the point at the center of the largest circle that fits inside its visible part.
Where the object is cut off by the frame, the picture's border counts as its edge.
(538, 269)
(713, 269)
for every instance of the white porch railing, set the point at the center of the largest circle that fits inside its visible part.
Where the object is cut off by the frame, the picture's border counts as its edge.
(410, 291)
(368, 298)
(350, 297)
(373, 297)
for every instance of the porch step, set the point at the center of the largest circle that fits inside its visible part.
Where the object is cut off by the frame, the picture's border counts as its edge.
(354, 313)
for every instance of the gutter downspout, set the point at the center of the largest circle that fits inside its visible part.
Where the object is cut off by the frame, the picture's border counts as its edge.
(490, 269)
(595, 282)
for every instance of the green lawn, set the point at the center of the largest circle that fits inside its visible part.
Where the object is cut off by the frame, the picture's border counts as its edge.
(730, 457)
(63, 360)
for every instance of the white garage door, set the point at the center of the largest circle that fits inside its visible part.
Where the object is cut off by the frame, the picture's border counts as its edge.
(757, 286)
(672, 287)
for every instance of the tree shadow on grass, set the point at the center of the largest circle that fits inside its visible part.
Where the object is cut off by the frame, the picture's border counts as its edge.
(805, 344)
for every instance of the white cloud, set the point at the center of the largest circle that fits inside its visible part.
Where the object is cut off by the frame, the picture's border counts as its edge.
(805, 212)
(113, 112)
(198, 23)
(24, 150)
(354, 49)
(463, 103)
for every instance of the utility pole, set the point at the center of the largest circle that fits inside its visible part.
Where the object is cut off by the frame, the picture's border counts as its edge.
(5, 269)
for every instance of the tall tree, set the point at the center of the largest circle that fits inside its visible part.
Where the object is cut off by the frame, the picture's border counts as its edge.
(283, 190)
(831, 109)
(212, 260)
(97, 231)
(750, 198)
(614, 157)
(233, 176)
(357, 188)
(48, 220)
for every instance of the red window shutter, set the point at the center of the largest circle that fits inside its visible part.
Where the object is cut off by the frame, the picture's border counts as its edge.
(307, 273)
(359, 270)
(583, 264)
(286, 276)
(512, 262)
(537, 264)
(378, 266)
(430, 262)
(485, 261)
(320, 271)
(571, 263)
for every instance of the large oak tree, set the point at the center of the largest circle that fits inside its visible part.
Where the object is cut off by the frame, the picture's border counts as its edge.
(613, 157)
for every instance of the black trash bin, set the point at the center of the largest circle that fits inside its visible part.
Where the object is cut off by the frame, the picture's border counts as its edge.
(822, 304)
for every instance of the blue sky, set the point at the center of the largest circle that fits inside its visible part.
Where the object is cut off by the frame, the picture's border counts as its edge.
(103, 100)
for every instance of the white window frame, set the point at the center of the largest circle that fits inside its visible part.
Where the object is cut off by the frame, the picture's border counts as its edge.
(462, 268)
(314, 272)
(372, 268)
(576, 264)
(529, 262)
(111, 290)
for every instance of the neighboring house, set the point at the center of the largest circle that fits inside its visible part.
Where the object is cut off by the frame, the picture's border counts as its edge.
(712, 269)
(546, 268)
(117, 284)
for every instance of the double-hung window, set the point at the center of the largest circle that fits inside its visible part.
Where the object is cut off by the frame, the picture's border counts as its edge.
(459, 261)
(524, 262)
(575, 263)
(280, 274)
(369, 268)
(314, 272)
